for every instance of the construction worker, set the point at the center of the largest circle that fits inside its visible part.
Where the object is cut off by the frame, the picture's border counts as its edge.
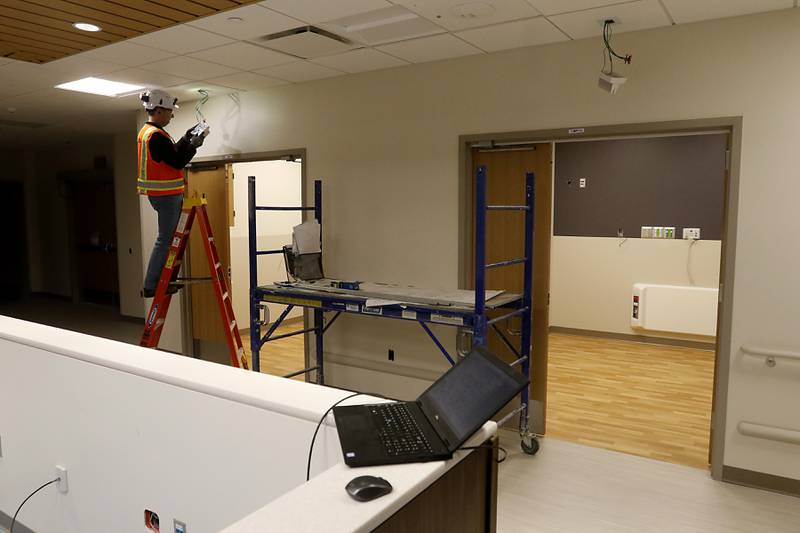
(161, 163)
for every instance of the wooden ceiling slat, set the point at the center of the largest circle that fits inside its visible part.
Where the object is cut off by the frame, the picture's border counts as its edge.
(41, 30)
(34, 29)
(25, 56)
(79, 11)
(42, 37)
(39, 43)
(123, 11)
(41, 52)
(154, 9)
(187, 6)
(219, 5)
(26, 8)
(18, 17)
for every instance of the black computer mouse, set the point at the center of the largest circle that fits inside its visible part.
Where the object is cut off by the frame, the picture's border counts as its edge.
(366, 488)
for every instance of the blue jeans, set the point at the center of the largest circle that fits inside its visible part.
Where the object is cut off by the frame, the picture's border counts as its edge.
(169, 211)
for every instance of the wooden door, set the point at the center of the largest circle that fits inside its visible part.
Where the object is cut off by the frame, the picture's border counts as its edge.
(212, 184)
(505, 235)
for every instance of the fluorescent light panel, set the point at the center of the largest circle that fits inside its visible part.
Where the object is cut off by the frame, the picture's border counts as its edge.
(100, 86)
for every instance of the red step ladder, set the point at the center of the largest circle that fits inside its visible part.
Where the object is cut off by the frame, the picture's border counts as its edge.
(193, 207)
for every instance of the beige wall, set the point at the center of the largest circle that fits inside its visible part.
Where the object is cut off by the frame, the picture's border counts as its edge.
(591, 279)
(129, 238)
(386, 144)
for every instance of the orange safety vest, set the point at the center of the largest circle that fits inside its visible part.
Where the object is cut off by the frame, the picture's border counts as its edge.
(156, 178)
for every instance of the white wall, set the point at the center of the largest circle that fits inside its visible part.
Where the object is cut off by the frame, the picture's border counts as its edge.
(277, 183)
(591, 278)
(386, 143)
(129, 238)
(138, 429)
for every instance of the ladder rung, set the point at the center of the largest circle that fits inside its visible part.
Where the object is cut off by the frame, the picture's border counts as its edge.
(233, 324)
(225, 295)
(218, 265)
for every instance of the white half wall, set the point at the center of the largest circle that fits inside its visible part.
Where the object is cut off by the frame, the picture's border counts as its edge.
(277, 183)
(386, 144)
(591, 278)
(139, 429)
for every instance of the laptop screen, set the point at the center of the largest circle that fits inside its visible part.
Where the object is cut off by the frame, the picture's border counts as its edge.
(469, 394)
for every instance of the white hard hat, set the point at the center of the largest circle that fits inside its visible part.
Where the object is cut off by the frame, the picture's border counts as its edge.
(153, 98)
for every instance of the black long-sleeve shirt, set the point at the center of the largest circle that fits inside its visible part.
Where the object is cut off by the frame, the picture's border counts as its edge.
(176, 155)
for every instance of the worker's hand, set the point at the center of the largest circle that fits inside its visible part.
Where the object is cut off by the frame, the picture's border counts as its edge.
(196, 140)
(188, 133)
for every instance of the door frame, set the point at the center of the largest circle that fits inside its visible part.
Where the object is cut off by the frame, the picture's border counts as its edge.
(248, 157)
(730, 222)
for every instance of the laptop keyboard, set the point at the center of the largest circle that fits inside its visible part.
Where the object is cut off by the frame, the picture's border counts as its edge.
(399, 432)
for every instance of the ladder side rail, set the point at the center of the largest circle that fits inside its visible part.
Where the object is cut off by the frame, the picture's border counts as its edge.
(156, 315)
(220, 287)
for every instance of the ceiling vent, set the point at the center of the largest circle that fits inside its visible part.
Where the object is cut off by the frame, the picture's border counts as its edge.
(306, 42)
(4, 123)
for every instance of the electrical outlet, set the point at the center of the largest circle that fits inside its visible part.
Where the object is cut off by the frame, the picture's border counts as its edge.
(391, 354)
(691, 233)
(582, 183)
(178, 526)
(63, 481)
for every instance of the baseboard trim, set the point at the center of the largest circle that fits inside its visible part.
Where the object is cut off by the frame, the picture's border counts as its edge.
(5, 523)
(759, 480)
(700, 345)
(380, 366)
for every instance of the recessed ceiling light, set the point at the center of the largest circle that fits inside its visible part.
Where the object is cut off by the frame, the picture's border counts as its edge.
(100, 86)
(85, 26)
(235, 19)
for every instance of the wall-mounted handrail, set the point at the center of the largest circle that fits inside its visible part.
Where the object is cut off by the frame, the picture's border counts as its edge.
(769, 354)
(761, 431)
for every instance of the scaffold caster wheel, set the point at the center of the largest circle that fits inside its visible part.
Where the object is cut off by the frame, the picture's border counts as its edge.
(530, 445)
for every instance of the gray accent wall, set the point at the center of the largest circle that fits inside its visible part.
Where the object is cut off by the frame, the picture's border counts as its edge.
(630, 183)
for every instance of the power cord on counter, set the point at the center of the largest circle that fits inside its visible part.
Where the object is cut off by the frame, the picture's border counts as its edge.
(490, 446)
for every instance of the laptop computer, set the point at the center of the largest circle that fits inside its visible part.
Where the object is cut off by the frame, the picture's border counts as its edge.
(437, 423)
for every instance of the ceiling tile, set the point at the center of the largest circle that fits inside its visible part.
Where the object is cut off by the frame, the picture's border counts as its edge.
(300, 71)
(360, 60)
(692, 11)
(243, 56)
(188, 67)
(430, 48)
(127, 53)
(529, 32)
(247, 81)
(77, 67)
(19, 77)
(381, 26)
(256, 21)
(631, 16)
(459, 15)
(146, 78)
(181, 39)
(553, 7)
(314, 11)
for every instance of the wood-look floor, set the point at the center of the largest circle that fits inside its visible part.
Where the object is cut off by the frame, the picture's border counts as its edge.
(280, 357)
(644, 399)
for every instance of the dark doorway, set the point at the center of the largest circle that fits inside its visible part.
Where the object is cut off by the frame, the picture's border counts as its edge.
(14, 284)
